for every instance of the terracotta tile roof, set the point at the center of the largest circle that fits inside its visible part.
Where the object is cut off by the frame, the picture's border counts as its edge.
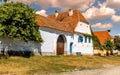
(64, 17)
(48, 23)
(102, 36)
(62, 22)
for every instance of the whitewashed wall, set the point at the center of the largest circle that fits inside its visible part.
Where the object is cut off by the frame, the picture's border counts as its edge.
(83, 28)
(49, 38)
(19, 45)
(50, 41)
(84, 48)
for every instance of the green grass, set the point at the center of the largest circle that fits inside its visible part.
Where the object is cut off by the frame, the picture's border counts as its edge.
(54, 64)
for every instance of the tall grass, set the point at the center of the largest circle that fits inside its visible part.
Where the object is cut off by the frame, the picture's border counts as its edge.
(54, 64)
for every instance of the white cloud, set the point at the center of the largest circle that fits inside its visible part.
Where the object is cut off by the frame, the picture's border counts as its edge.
(99, 13)
(81, 4)
(113, 3)
(42, 12)
(63, 4)
(116, 18)
(100, 25)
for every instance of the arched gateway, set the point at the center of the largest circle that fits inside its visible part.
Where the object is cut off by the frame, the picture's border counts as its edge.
(61, 44)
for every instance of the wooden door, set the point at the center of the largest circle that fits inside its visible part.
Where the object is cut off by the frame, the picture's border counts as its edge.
(60, 45)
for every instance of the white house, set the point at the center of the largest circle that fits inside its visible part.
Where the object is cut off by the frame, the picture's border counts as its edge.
(63, 33)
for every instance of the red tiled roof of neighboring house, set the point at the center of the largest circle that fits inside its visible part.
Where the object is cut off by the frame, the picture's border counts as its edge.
(102, 36)
(62, 22)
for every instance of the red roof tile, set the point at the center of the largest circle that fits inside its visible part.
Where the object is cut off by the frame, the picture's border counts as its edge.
(62, 22)
(48, 23)
(102, 36)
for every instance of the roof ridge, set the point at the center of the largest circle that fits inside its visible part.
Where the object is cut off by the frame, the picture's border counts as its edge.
(63, 21)
(79, 15)
(100, 31)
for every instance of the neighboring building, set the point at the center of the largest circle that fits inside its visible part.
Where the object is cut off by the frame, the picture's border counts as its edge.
(102, 36)
(63, 33)
(117, 35)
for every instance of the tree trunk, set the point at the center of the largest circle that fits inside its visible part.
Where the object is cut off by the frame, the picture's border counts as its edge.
(111, 52)
(107, 53)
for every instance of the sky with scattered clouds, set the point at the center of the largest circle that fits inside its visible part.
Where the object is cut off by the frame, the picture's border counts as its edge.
(101, 14)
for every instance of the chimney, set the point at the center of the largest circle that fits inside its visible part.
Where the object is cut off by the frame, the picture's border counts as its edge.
(70, 12)
(56, 13)
(109, 30)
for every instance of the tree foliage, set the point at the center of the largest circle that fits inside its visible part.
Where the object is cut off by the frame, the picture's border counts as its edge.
(117, 42)
(96, 43)
(108, 45)
(17, 20)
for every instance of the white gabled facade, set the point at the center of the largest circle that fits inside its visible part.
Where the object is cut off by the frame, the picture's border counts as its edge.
(85, 47)
(83, 28)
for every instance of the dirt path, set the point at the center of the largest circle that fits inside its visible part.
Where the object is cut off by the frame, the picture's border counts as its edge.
(106, 71)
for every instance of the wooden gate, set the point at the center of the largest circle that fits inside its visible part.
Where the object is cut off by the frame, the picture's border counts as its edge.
(60, 45)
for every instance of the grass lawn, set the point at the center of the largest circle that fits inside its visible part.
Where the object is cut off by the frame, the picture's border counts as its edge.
(53, 64)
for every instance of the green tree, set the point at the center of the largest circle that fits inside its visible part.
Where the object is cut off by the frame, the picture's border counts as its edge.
(109, 46)
(96, 42)
(117, 42)
(17, 20)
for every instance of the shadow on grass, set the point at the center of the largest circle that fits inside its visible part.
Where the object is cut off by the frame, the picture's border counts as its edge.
(26, 54)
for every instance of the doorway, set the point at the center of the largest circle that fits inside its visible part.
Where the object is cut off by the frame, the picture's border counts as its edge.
(61, 45)
(71, 47)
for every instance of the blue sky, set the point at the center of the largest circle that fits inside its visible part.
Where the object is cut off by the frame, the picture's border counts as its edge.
(101, 14)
